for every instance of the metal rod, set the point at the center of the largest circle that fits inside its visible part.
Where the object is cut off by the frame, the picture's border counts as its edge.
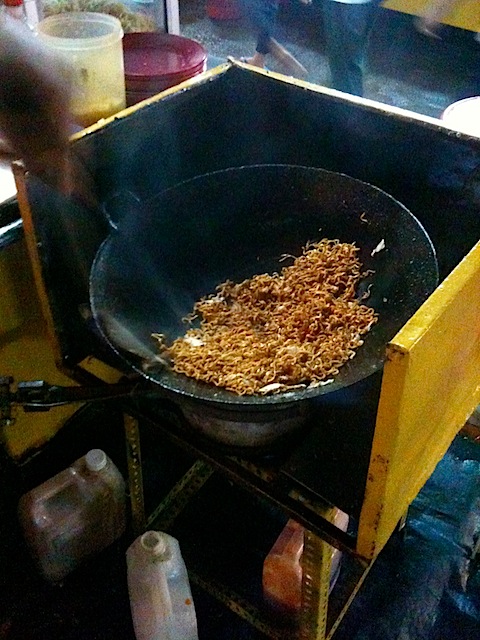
(135, 477)
(238, 605)
(316, 566)
(174, 502)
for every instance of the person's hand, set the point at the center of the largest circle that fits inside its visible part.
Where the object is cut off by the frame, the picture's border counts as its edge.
(34, 99)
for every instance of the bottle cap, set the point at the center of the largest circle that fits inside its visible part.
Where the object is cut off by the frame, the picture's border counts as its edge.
(155, 542)
(13, 3)
(96, 460)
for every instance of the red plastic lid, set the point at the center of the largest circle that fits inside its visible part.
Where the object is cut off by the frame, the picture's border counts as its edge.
(159, 83)
(150, 56)
(13, 3)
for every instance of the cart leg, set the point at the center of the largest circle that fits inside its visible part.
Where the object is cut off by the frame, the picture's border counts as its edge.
(135, 478)
(316, 564)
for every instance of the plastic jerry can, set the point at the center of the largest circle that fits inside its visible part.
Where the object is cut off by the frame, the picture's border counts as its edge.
(160, 597)
(74, 515)
(282, 568)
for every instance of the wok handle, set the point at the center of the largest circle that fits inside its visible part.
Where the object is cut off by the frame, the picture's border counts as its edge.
(38, 395)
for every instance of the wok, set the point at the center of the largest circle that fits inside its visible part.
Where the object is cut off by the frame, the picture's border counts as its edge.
(232, 224)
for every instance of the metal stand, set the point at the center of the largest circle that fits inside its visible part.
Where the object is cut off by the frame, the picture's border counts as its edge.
(317, 621)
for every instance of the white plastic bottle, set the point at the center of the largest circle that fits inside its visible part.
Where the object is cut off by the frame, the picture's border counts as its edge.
(74, 515)
(160, 597)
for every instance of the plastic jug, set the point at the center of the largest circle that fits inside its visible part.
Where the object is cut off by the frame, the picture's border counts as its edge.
(74, 515)
(282, 568)
(160, 598)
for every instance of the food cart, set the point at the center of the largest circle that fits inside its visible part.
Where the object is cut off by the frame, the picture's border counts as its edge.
(368, 449)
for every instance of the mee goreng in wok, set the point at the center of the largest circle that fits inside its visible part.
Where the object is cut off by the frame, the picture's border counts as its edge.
(196, 247)
(271, 333)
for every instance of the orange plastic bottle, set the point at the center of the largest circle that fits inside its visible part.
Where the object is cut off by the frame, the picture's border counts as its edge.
(282, 568)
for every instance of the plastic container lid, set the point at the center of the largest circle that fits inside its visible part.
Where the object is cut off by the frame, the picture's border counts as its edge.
(96, 460)
(157, 56)
(80, 30)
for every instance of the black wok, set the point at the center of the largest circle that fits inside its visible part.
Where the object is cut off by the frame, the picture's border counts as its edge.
(233, 224)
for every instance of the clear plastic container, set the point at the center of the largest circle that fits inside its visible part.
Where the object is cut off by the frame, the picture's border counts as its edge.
(160, 597)
(74, 515)
(90, 45)
(282, 568)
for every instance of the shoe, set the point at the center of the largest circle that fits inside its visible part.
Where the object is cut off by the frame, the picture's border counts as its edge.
(246, 60)
(286, 60)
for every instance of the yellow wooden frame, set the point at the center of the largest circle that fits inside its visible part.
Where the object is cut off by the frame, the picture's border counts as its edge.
(464, 14)
(430, 386)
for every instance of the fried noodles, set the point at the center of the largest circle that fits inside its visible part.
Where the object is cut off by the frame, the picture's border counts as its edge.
(270, 333)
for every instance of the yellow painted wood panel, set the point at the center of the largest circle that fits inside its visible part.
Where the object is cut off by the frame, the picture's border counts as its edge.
(25, 350)
(465, 14)
(430, 386)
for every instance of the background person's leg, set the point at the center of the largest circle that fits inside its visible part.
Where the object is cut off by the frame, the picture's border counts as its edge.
(262, 15)
(347, 27)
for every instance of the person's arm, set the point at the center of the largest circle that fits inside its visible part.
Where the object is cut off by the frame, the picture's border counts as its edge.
(34, 97)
